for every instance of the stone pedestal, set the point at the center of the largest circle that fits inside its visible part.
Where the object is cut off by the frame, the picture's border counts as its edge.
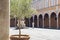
(4, 20)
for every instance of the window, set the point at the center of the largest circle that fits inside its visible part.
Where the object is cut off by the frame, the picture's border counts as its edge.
(53, 2)
(46, 3)
(41, 4)
(56, 2)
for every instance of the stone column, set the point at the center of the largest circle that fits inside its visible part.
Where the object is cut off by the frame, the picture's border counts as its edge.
(57, 23)
(57, 13)
(4, 20)
(43, 21)
(33, 22)
(49, 21)
(37, 21)
(15, 20)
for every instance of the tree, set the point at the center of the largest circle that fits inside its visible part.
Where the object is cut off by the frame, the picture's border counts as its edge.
(21, 8)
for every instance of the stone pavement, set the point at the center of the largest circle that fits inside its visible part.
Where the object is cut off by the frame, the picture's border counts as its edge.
(39, 34)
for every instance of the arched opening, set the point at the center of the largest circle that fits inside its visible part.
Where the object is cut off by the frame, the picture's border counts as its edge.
(46, 21)
(13, 22)
(59, 20)
(40, 21)
(35, 21)
(26, 22)
(53, 20)
(31, 20)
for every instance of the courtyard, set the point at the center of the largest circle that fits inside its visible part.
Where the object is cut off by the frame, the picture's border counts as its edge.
(38, 33)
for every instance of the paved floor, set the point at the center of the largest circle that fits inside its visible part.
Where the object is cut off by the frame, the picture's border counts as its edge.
(38, 33)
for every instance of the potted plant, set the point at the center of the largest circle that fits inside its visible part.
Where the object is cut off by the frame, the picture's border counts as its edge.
(21, 8)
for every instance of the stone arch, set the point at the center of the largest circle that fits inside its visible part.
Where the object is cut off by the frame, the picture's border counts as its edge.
(53, 20)
(35, 20)
(40, 21)
(31, 20)
(59, 20)
(13, 22)
(46, 21)
(26, 22)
